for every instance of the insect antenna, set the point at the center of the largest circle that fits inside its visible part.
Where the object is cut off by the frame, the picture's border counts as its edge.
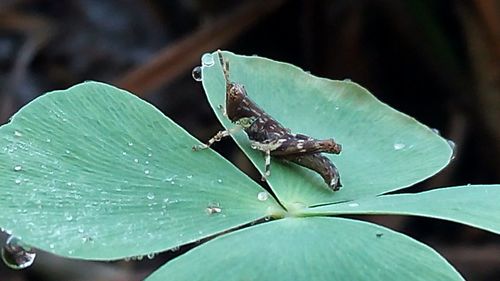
(225, 68)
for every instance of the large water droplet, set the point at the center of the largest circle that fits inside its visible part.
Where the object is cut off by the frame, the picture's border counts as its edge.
(18, 168)
(196, 73)
(207, 60)
(399, 146)
(17, 255)
(262, 196)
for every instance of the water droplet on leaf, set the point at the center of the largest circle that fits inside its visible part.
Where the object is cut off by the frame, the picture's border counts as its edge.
(453, 148)
(151, 256)
(219, 180)
(207, 60)
(436, 131)
(263, 196)
(196, 73)
(213, 209)
(146, 172)
(18, 168)
(68, 216)
(17, 255)
(398, 146)
(151, 196)
(18, 134)
(353, 205)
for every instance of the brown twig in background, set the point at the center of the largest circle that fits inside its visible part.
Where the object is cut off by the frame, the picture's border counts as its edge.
(37, 32)
(179, 57)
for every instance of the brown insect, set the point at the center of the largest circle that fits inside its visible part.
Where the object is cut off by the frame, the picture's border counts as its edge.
(269, 136)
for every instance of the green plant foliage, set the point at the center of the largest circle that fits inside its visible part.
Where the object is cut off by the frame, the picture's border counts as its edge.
(94, 172)
(383, 149)
(474, 205)
(310, 249)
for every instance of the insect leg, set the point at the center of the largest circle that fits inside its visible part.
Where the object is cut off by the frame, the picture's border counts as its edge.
(301, 146)
(322, 165)
(267, 168)
(220, 135)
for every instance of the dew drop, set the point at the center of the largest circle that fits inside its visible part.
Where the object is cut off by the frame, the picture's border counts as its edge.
(151, 256)
(337, 107)
(399, 146)
(124, 153)
(213, 209)
(196, 73)
(51, 246)
(219, 180)
(17, 255)
(353, 205)
(130, 144)
(150, 154)
(146, 172)
(263, 196)
(48, 140)
(207, 60)
(151, 196)
(18, 181)
(436, 131)
(136, 160)
(139, 258)
(18, 134)
(189, 177)
(453, 148)
(18, 168)
(68, 216)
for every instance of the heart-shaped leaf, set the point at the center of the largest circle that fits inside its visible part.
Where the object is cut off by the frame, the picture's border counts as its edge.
(474, 205)
(310, 249)
(96, 173)
(383, 149)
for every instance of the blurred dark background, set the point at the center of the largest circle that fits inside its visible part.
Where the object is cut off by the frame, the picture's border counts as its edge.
(438, 61)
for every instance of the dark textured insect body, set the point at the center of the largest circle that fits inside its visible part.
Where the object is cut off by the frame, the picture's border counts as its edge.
(269, 136)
